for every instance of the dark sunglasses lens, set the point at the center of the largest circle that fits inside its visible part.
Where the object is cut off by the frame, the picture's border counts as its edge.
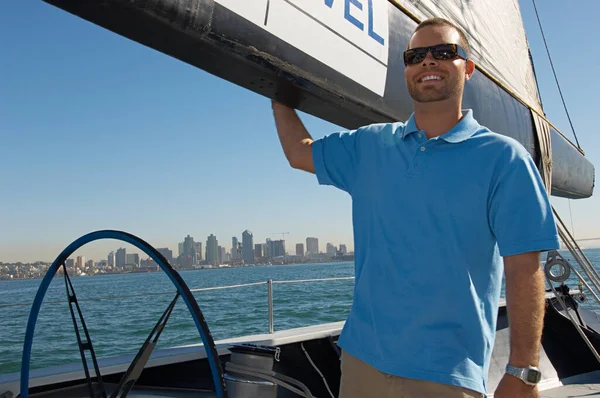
(444, 52)
(414, 56)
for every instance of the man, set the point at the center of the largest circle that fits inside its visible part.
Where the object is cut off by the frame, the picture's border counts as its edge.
(436, 202)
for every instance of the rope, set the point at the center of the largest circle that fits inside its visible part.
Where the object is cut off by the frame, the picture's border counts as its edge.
(554, 73)
(583, 282)
(317, 369)
(571, 217)
(574, 322)
(590, 271)
(576, 251)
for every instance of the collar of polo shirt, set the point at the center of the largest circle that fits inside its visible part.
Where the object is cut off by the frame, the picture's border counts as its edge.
(465, 128)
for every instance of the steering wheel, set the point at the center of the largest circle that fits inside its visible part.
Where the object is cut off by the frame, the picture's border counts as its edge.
(182, 290)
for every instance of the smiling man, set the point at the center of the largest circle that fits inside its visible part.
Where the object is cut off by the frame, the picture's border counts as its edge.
(441, 206)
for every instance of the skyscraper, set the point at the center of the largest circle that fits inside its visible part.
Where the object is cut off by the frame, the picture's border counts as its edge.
(277, 248)
(189, 248)
(167, 254)
(343, 249)
(212, 254)
(331, 250)
(111, 259)
(259, 250)
(80, 262)
(312, 246)
(300, 249)
(247, 247)
(121, 257)
(189, 252)
(268, 248)
(198, 252)
(234, 248)
(222, 254)
(133, 258)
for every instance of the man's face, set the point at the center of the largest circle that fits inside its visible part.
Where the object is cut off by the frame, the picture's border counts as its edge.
(448, 75)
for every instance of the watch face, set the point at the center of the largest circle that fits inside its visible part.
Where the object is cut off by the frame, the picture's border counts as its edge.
(533, 376)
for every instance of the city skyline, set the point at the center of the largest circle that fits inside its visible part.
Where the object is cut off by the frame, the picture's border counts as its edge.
(176, 248)
(99, 253)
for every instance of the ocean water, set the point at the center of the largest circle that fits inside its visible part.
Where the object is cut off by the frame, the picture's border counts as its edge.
(121, 310)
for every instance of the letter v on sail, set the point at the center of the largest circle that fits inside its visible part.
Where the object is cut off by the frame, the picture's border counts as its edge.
(350, 36)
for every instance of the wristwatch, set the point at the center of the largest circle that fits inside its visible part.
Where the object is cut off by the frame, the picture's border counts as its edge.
(530, 375)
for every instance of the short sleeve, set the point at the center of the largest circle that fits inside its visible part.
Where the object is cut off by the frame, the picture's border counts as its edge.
(520, 213)
(336, 157)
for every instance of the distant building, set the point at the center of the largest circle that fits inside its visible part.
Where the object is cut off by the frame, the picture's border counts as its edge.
(331, 250)
(121, 257)
(235, 254)
(188, 257)
(247, 247)
(80, 261)
(111, 259)
(133, 259)
(343, 249)
(300, 249)
(259, 250)
(222, 255)
(212, 255)
(166, 253)
(277, 248)
(198, 252)
(312, 245)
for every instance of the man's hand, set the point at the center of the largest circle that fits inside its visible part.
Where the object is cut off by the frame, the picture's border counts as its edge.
(511, 387)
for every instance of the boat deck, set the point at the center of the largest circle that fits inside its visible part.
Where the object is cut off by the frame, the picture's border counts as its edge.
(552, 386)
(585, 385)
(82, 391)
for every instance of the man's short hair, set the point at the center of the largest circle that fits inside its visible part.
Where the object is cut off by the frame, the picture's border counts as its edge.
(463, 42)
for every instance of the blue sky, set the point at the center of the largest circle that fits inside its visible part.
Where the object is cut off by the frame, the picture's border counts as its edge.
(99, 132)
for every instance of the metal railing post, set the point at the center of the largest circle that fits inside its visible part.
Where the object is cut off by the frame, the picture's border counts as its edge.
(270, 289)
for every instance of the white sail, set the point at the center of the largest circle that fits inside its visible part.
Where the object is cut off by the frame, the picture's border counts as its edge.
(496, 36)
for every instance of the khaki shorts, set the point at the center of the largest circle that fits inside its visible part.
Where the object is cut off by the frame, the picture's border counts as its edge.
(360, 380)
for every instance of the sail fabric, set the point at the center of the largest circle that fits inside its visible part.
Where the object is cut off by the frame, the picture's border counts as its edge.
(496, 36)
(542, 129)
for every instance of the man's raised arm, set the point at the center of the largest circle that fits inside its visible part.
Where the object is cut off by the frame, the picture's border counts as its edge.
(295, 139)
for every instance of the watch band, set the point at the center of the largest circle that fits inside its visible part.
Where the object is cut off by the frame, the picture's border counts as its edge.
(529, 375)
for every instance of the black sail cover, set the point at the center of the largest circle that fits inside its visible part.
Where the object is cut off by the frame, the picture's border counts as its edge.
(341, 60)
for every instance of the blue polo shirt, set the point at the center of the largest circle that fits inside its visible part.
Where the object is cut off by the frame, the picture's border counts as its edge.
(432, 218)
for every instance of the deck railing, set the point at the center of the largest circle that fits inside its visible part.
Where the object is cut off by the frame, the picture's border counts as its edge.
(269, 284)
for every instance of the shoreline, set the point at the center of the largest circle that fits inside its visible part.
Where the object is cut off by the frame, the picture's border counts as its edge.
(178, 269)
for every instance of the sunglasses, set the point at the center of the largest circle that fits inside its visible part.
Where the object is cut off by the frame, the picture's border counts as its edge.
(440, 52)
